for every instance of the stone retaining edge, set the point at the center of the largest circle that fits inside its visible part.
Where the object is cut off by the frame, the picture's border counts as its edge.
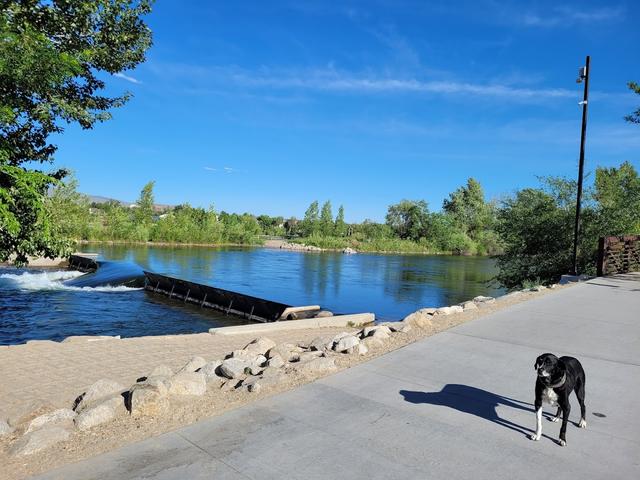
(354, 320)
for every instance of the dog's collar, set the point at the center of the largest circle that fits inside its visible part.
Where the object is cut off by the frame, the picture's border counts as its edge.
(560, 382)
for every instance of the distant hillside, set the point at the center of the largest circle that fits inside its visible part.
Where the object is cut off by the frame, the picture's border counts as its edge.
(97, 199)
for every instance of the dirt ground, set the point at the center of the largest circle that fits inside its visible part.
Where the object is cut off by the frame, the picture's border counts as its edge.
(187, 410)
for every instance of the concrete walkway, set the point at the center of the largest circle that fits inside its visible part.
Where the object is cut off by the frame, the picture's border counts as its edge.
(453, 406)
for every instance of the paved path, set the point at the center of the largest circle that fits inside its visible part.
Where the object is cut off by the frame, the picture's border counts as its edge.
(453, 406)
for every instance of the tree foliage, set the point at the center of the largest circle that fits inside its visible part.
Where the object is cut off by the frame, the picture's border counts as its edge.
(327, 226)
(468, 208)
(536, 225)
(635, 116)
(409, 219)
(51, 56)
(340, 225)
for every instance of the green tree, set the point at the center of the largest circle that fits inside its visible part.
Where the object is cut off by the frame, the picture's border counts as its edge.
(409, 219)
(326, 220)
(536, 225)
(69, 211)
(468, 208)
(52, 58)
(144, 209)
(537, 234)
(311, 221)
(340, 227)
(635, 116)
(117, 221)
(617, 193)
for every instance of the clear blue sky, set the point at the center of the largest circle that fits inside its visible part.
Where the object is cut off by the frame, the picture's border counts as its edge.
(266, 106)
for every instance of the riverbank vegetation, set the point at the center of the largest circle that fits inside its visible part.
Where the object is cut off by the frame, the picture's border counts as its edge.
(465, 226)
(530, 232)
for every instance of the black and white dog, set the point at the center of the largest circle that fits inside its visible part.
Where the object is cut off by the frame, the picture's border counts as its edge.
(557, 378)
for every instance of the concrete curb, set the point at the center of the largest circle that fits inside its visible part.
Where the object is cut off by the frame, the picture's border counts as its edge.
(354, 320)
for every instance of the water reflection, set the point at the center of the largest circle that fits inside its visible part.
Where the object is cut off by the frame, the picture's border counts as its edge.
(391, 286)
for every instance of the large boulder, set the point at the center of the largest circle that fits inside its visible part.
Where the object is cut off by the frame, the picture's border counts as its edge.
(210, 369)
(402, 327)
(322, 343)
(255, 384)
(368, 331)
(336, 338)
(148, 399)
(103, 388)
(188, 383)
(38, 440)
(306, 356)
(99, 412)
(60, 417)
(316, 366)
(420, 318)
(469, 305)
(482, 300)
(260, 346)
(287, 351)
(275, 361)
(192, 365)
(324, 314)
(345, 343)
(380, 334)
(233, 367)
(449, 310)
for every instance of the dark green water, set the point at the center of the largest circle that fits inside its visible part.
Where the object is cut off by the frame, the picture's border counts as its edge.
(391, 286)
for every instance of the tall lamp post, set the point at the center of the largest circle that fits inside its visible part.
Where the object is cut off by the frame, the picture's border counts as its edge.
(583, 76)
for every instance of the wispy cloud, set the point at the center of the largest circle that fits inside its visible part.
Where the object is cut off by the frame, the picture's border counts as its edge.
(127, 78)
(227, 170)
(330, 79)
(569, 16)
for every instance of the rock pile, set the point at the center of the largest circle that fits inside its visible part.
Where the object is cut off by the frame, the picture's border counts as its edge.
(300, 247)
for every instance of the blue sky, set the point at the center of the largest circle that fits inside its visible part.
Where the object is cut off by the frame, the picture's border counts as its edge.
(266, 106)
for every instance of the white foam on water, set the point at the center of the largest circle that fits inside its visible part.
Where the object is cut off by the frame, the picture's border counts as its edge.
(53, 281)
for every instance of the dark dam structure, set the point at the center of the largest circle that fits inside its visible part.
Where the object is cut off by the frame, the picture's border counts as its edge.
(103, 273)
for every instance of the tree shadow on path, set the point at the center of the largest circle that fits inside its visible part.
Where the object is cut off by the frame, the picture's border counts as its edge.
(473, 401)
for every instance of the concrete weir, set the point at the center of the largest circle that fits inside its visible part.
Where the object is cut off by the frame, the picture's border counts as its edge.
(239, 304)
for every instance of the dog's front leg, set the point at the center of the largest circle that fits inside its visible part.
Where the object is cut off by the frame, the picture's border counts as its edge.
(557, 417)
(566, 408)
(536, 436)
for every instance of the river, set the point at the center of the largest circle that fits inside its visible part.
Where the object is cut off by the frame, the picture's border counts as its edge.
(35, 305)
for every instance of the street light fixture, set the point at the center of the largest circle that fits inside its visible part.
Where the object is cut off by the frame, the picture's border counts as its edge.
(583, 75)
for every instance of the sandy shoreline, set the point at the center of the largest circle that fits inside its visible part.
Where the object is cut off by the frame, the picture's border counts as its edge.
(59, 371)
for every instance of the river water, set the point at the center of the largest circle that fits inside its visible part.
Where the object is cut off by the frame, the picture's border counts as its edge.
(35, 305)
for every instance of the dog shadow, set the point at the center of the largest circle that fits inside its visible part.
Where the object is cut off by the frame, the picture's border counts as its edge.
(473, 401)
